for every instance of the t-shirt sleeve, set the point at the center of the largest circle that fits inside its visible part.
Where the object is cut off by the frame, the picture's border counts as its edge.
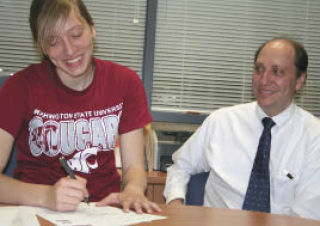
(135, 106)
(13, 102)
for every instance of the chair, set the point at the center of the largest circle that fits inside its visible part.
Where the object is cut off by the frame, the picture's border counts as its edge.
(195, 190)
(3, 79)
(148, 134)
(11, 165)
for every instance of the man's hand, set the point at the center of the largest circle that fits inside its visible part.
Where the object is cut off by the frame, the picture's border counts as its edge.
(66, 194)
(176, 202)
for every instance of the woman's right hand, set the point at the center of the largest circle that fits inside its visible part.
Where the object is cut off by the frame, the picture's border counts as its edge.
(66, 194)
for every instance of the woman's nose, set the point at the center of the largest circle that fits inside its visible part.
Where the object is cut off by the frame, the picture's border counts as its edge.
(69, 47)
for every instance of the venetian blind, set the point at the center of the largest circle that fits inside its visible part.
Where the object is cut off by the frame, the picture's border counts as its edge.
(120, 33)
(204, 50)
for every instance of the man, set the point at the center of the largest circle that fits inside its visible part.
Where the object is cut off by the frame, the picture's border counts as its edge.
(227, 142)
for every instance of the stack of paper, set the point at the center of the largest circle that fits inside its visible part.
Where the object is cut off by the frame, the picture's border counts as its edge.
(91, 215)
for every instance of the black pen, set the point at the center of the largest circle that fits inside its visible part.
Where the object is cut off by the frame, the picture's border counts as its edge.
(65, 166)
(290, 176)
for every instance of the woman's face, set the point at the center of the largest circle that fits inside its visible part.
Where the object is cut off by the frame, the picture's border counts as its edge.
(71, 49)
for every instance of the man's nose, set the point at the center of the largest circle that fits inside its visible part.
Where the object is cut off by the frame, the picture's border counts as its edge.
(265, 77)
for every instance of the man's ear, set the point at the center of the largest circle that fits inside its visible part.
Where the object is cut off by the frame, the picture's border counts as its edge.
(300, 81)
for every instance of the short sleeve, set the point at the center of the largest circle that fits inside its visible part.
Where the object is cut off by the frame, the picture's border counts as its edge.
(135, 106)
(13, 102)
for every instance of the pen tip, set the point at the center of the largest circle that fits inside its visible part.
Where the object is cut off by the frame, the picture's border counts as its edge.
(86, 200)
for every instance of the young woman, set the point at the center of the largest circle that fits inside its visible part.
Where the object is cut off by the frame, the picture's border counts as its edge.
(72, 105)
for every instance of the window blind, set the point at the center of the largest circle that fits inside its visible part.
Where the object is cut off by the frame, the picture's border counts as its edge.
(16, 46)
(120, 33)
(204, 50)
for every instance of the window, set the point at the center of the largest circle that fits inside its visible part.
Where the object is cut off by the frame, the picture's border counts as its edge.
(120, 33)
(194, 56)
(16, 46)
(204, 51)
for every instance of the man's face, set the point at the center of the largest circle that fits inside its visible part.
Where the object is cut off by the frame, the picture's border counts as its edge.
(274, 77)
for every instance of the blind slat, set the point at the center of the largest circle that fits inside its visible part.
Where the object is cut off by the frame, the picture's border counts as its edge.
(204, 50)
(120, 29)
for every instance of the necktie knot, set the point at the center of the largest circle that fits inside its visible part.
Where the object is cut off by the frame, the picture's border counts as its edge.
(268, 123)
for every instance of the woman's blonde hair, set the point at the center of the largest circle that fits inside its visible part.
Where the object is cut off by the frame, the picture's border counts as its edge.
(46, 16)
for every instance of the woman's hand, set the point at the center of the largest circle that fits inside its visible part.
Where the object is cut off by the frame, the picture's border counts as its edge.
(66, 194)
(133, 176)
(130, 199)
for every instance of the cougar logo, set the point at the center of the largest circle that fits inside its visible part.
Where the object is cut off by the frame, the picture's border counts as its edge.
(66, 137)
(79, 161)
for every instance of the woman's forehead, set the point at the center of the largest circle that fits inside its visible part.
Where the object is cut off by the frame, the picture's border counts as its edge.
(66, 23)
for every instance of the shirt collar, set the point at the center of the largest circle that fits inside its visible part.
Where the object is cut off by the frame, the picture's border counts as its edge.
(281, 118)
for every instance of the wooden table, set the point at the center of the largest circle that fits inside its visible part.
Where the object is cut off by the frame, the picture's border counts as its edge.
(202, 216)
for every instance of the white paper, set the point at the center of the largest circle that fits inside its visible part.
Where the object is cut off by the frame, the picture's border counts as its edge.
(14, 216)
(94, 216)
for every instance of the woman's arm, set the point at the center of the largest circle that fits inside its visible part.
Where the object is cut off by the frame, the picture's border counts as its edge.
(133, 175)
(64, 195)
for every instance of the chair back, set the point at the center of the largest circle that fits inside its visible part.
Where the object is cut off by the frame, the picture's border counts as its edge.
(3, 79)
(12, 162)
(195, 190)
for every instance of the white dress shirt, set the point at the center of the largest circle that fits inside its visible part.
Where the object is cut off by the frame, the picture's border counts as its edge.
(226, 145)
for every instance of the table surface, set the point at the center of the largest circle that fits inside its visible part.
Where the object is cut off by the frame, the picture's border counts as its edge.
(196, 215)
(202, 216)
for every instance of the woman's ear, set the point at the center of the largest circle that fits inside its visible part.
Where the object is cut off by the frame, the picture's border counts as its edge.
(93, 31)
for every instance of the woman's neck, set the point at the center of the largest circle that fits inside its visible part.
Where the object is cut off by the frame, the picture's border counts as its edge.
(79, 83)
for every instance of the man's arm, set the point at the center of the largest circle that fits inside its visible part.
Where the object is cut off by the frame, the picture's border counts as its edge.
(307, 192)
(188, 160)
(65, 195)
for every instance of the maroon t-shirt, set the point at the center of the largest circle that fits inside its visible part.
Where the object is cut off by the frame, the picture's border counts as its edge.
(49, 120)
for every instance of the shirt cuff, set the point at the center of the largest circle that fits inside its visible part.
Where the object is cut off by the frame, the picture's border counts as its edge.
(177, 193)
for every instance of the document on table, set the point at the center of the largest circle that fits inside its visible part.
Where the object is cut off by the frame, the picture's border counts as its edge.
(13, 216)
(91, 215)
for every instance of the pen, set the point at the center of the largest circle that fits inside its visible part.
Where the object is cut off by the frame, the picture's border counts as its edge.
(290, 176)
(65, 166)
